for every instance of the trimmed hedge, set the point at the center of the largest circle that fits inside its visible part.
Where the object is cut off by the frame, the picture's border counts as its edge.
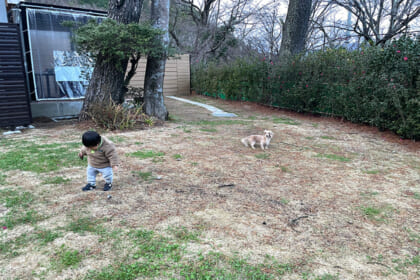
(375, 86)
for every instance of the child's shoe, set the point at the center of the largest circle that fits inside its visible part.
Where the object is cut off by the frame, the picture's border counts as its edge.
(107, 186)
(88, 187)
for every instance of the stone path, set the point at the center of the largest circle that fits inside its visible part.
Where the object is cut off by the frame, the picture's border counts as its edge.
(215, 111)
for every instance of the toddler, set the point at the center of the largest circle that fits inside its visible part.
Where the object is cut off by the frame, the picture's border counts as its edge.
(102, 158)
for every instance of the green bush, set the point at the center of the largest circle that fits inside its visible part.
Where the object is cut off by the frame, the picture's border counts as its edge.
(374, 85)
(117, 42)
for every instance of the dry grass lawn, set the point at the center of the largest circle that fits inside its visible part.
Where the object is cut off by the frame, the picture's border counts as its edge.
(327, 200)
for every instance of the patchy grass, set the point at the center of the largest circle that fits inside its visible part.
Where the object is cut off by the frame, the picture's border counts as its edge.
(117, 139)
(39, 158)
(222, 212)
(334, 157)
(19, 208)
(379, 214)
(177, 156)
(2, 179)
(145, 176)
(84, 224)
(210, 129)
(183, 234)
(262, 156)
(56, 180)
(65, 258)
(373, 171)
(147, 154)
(45, 236)
(327, 137)
(285, 121)
(156, 256)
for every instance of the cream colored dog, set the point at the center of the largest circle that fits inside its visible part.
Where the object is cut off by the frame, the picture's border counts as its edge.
(262, 140)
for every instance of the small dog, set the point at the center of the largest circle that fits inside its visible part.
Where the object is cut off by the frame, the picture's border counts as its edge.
(262, 140)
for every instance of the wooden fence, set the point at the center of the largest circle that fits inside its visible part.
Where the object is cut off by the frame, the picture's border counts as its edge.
(177, 76)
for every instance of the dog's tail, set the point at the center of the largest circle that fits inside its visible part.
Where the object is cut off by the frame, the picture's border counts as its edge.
(243, 140)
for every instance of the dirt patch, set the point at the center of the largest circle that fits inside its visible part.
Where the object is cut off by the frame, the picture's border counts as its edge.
(332, 197)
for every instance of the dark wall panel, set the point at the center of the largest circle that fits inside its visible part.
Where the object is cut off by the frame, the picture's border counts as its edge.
(15, 109)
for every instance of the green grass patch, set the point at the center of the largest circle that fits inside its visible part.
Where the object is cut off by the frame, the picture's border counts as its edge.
(285, 121)
(218, 266)
(284, 201)
(157, 257)
(19, 205)
(14, 198)
(327, 137)
(56, 180)
(65, 258)
(401, 265)
(186, 130)
(327, 276)
(371, 212)
(369, 194)
(183, 234)
(17, 217)
(13, 248)
(45, 236)
(40, 158)
(282, 168)
(373, 171)
(413, 236)
(146, 154)
(174, 118)
(334, 157)
(85, 224)
(117, 139)
(262, 156)
(145, 176)
(210, 129)
(2, 179)
(378, 214)
(177, 156)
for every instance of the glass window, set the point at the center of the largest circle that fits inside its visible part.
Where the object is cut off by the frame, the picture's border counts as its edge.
(59, 71)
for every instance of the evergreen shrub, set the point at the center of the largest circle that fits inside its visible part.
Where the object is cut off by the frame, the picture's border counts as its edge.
(378, 86)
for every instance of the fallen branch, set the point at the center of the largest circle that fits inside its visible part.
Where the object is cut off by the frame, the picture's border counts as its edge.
(293, 222)
(227, 185)
(379, 264)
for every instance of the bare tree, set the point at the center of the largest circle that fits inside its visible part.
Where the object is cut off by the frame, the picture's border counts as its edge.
(378, 21)
(270, 22)
(205, 28)
(328, 26)
(295, 27)
(107, 78)
(155, 69)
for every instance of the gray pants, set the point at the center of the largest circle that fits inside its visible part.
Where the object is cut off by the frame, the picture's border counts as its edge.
(106, 174)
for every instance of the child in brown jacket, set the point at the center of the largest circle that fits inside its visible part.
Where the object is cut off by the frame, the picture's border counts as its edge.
(102, 158)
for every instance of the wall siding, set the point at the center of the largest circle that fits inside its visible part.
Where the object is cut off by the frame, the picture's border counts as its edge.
(14, 99)
(177, 76)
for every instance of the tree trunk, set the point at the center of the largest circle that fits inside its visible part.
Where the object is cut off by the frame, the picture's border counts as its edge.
(155, 69)
(107, 81)
(295, 27)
